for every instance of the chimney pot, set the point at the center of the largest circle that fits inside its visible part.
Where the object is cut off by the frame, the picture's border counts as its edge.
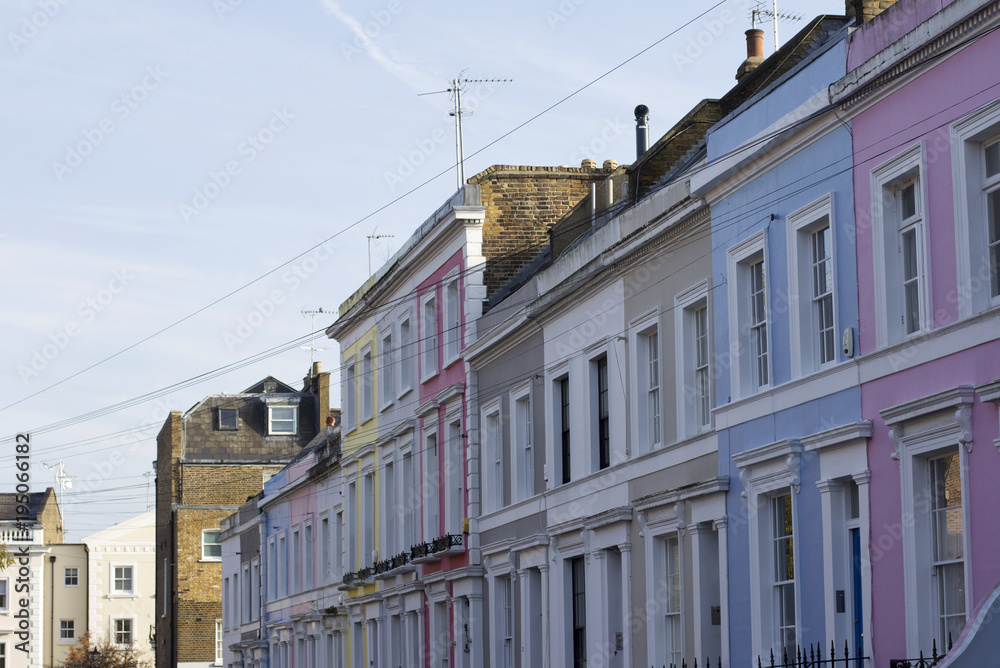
(641, 130)
(588, 163)
(330, 421)
(755, 43)
(317, 367)
(610, 164)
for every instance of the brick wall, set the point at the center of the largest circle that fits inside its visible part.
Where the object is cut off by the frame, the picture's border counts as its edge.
(168, 449)
(521, 203)
(868, 9)
(49, 517)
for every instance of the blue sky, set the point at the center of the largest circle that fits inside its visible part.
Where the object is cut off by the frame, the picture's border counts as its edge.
(159, 156)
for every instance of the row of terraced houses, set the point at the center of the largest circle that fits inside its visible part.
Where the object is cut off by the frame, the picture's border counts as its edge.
(735, 399)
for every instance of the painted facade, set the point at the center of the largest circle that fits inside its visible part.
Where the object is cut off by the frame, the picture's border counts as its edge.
(928, 295)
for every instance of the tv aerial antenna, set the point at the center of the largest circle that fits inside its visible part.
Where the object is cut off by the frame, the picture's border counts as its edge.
(762, 15)
(455, 90)
(312, 342)
(375, 236)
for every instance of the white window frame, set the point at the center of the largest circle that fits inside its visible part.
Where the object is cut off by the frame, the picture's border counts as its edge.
(430, 357)
(969, 137)
(452, 313)
(387, 369)
(281, 581)
(492, 456)
(205, 557)
(218, 642)
(804, 345)
(254, 588)
(350, 394)
(407, 356)
(408, 491)
(504, 610)
(765, 472)
(66, 576)
(295, 561)
(63, 640)
(131, 578)
(686, 306)
(271, 430)
(642, 409)
(367, 383)
(743, 379)
(308, 555)
(430, 466)
(920, 430)
(4, 594)
(454, 497)
(594, 357)
(522, 440)
(366, 493)
(556, 476)
(114, 630)
(272, 581)
(388, 486)
(885, 181)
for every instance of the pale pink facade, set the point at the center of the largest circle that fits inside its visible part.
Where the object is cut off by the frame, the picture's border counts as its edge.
(924, 112)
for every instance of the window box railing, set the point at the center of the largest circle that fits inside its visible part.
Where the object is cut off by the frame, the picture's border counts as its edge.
(448, 544)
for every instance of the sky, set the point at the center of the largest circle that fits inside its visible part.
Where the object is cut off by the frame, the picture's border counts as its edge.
(181, 180)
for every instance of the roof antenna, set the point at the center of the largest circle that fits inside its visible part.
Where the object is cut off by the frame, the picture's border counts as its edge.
(312, 342)
(759, 14)
(374, 236)
(456, 90)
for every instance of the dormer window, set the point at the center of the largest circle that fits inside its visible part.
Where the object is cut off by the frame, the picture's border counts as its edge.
(281, 420)
(227, 419)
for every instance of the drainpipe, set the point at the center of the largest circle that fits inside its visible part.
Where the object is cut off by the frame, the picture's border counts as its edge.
(52, 610)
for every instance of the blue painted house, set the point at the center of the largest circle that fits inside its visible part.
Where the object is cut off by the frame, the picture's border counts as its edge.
(791, 440)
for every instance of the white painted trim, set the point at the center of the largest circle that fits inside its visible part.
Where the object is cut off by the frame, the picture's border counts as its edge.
(486, 478)
(967, 138)
(908, 163)
(639, 331)
(735, 257)
(801, 325)
(683, 369)
(422, 336)
(524, 478)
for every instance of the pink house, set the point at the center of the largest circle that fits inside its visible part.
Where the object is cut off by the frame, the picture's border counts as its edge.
(923, 99)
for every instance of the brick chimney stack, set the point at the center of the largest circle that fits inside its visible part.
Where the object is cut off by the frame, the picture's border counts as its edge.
(755, 53)
(864, 11)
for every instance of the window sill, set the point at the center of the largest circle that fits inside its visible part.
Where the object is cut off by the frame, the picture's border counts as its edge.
(210, 560)
(424, 379)
(123, 595)
(451, 360)
(386, 406)
(404, 392)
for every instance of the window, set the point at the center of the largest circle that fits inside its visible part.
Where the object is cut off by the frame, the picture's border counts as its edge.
(748, 321)
(254, 586)
(452, 323)
(3, 655)
(211, 548)
(432, 486)
(71, 576)
(811, 306)
(602, 412)
(368, 547)
(902, 297)
(454, 469)
(351, 542)
(387, 371)
(123, 631)
(562, 391)
(647, 402)
(228, 419)
(976, 164)
(784, 573)
(282, 575)
(272, 583)
(367, 398)
(578, 605)
(694, 381)
(218, 642)
(122, 579)
(948, 545)
(338, 547)
(4, 603)
(673, 630)
(388, 485)
(309, 550)
(505, 618)
(351, 396)
(67, 630)
(524, 452)
(493, 458)
(408, 498)
(407, 357)
(429, 337)
(325, 549)
(281, 420)
(296, 560)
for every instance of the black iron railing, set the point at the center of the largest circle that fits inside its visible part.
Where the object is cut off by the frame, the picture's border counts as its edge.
(922, 661)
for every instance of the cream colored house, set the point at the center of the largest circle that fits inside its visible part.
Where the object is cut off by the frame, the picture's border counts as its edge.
(65, 600)
(122, 577)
